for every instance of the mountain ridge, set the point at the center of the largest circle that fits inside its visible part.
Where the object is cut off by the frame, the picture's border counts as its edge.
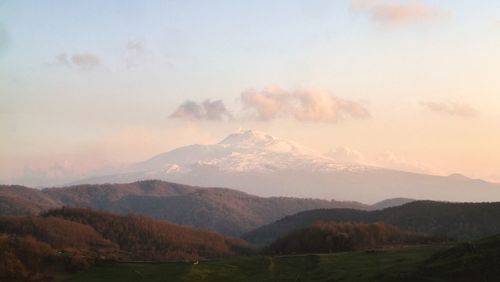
(224, 210)
(264, 165)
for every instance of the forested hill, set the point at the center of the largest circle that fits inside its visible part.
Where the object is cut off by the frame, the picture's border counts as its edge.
(70, 239)
(331, 237)
(453, 220)
(227, 211)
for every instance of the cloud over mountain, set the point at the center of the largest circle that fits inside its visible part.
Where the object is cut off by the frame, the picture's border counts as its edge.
(273, 102)
(303, 105)
(267, 104)
(393, 161)
(347, 155)
(206, 110)
(386, 160)
(392, 13)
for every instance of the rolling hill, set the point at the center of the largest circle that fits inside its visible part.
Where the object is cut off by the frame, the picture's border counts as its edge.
(68, 239)
(467, 261)
(462, 221)
(223, 210)
(331, 237)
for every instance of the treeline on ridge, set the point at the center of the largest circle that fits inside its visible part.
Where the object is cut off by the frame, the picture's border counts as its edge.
(226, 211)
(331, 237)
(459, 221)
(70, 239)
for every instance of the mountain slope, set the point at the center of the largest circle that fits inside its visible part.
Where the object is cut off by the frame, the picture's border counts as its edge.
(20, 200)
(224, 210)
(453, 220)
(264, 165)
(394, 202)
(331, 237)
(468, 261)
(149, 239)
(69, 239)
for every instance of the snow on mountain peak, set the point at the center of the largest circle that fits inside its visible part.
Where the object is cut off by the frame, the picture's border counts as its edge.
(247, 137)
(244, 150)
(261, 141)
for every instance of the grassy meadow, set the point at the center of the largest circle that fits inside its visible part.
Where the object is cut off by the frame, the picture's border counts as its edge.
(385, 265)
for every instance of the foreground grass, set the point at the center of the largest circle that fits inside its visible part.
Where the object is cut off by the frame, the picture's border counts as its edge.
(389, 265)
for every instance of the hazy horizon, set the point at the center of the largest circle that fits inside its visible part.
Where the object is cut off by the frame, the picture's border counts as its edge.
(405, 85)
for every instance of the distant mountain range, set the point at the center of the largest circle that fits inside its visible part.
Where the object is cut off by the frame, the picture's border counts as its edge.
(461, 221)
(264, 165)
(226, 211)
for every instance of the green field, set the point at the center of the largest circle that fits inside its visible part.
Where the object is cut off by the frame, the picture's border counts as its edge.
(388, 265)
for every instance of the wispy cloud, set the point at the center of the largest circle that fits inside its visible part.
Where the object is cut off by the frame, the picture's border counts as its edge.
(49, 169)
(135, 46)
(393, 13)
(64, 60)
(135, 53)
(206, 110)
(393, 161)
(347, 155)
(83, 61)
(303, 105)
(386, 160)
(450, 108)
(494, 177)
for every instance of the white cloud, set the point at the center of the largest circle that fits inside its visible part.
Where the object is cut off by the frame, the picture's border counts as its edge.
(273, 102)
(268, 103)
(303, 105)
(393, 161)
(385, 160)
(347, 155)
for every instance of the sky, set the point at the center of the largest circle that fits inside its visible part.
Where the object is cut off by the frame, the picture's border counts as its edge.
(410, 85)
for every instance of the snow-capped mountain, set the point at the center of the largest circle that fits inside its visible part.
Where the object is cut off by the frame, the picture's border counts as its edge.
(243, 151)
(261, 164)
